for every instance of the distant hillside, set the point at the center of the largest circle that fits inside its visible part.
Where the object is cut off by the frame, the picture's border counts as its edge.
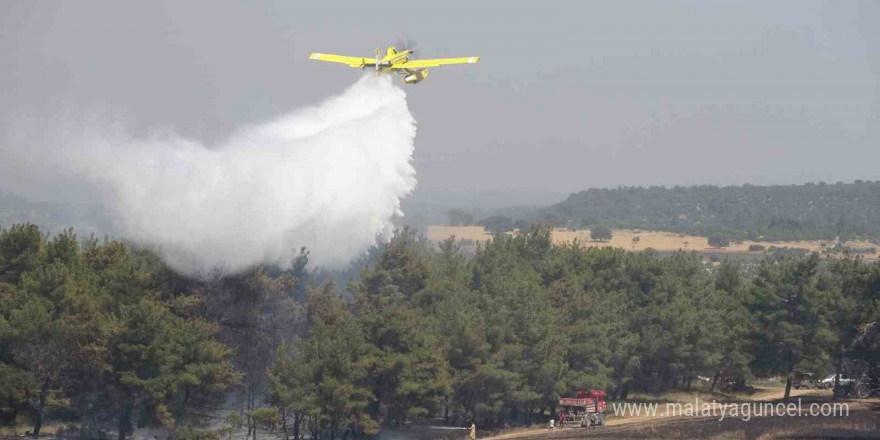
(53, 217)
(811, 211)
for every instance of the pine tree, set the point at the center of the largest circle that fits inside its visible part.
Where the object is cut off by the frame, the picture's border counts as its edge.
(792, 325)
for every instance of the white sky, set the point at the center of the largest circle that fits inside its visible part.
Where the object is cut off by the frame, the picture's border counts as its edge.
(567, 95)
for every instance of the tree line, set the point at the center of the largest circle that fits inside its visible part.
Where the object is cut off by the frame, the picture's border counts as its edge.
(793, 212)
(776, 212)
(103, 336)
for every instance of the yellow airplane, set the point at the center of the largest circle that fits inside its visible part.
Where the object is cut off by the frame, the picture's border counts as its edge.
(395, 61)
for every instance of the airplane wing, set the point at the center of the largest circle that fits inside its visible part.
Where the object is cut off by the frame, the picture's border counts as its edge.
(351, 61)
(421, 64)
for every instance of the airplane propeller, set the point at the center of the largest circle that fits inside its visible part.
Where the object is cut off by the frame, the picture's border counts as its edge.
(406, 43)
(378, 61)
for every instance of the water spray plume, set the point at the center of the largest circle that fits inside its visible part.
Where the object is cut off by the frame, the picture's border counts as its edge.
(329, 177)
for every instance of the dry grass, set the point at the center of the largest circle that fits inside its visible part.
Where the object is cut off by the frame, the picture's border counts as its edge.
(661, 241)
(48, 430)
(862, 422)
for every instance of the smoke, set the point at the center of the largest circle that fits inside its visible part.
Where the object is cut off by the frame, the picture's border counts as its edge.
(329, 177)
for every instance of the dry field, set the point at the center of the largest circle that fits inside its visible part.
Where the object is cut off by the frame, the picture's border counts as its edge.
(862, 422)
(622, 238)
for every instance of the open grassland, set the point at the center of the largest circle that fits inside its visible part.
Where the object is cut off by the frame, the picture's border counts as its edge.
(657, 240)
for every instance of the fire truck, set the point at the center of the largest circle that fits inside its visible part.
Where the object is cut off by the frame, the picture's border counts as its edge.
(586, 409)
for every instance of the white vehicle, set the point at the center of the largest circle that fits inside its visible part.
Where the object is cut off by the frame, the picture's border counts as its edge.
(828, 382)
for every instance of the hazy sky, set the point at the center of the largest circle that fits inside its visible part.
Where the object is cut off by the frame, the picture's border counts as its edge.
(567, 95)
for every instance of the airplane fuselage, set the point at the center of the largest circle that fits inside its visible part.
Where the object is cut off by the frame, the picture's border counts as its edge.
(394, 56)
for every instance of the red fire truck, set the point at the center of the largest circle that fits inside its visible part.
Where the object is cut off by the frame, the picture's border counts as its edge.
(586, 409)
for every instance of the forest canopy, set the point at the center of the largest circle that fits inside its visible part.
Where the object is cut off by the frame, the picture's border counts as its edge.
(105, 338)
